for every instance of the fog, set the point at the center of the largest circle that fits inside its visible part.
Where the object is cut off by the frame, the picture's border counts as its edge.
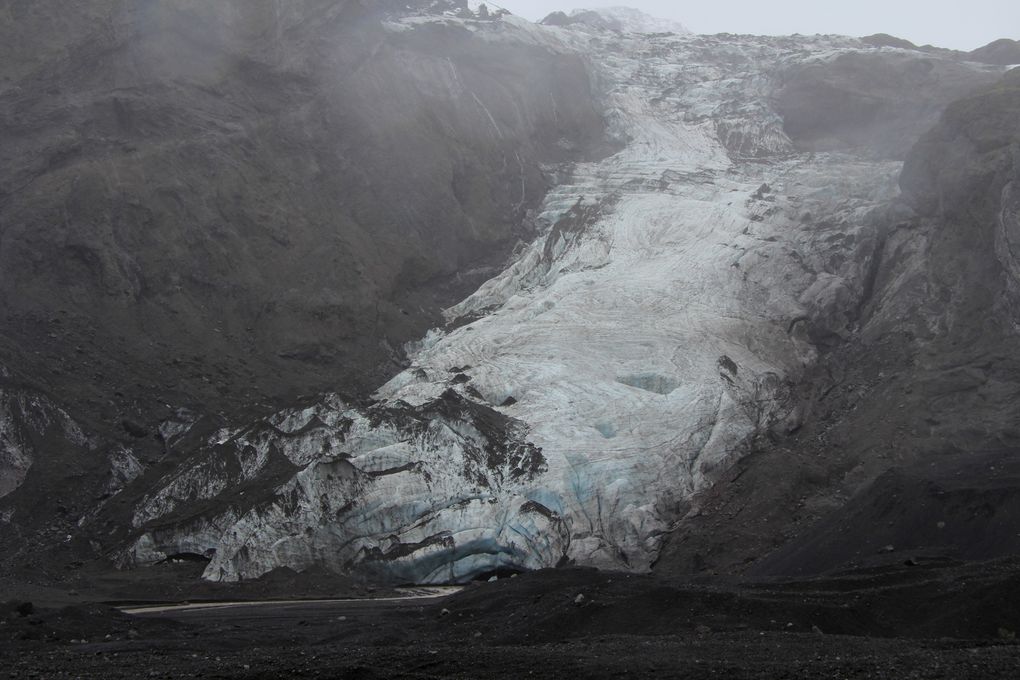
(945, 23)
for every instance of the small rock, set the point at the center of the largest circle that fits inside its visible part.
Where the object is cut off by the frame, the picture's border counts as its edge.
(444, 612)
(816, 630)
(702, 629)
(580, 600)
(478, 634)
(888, 549)
(133, 634)
(134, 429)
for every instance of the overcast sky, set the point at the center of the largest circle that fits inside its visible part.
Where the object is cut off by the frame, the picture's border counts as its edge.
(960, 24)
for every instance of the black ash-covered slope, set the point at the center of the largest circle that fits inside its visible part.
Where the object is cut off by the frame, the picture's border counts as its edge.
(911, 445)
(228, 203)
(217, 206)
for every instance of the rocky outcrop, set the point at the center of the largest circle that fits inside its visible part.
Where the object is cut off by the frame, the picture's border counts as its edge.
(877, 101)
(1004, 52)
(30, 426)
(963, 164)
(53, 473)
(222, 205)
(961, 179)
(615, 19)
(159, 156)
(886, 40)
(926, 384)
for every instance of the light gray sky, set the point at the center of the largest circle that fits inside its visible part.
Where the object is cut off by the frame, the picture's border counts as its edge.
(959, 24)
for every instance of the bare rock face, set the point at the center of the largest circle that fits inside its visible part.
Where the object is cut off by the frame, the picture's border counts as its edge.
(158, 156)
(886, 40)
(961, 178)
(927, 381)
(1004, 52)
(878, 101)
(53, 472)
(964, 163)
(616, 19)
(28, 423)
(218, 205)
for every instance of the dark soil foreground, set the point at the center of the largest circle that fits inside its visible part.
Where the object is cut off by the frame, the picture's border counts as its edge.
(926, 620)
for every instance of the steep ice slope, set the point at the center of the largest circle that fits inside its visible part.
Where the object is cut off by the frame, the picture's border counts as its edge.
(619, 364)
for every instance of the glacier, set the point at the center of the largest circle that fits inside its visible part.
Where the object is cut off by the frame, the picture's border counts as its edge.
(576, 403)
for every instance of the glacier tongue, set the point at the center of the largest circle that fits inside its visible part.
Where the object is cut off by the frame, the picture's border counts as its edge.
(650, 334)
(615, 368)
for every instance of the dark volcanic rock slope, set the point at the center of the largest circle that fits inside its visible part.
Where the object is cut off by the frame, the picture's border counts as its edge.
(216, 205)
(233, 201)
(880, 101)
(928, 380)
